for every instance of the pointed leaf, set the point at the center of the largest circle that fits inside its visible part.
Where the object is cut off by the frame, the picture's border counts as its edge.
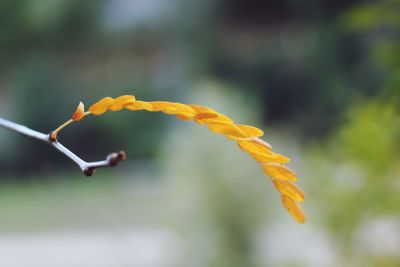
(250, 130)
(205, 118)
(173, 108)
(229, 130)
(185, 117)
(253, 147)
(261, 142)
(101, 106)
(201, 109)
(270, 158)
(294, 209)
(289, 189)
(139, 105)
(205, 115)
(278, 171)
(121, 101)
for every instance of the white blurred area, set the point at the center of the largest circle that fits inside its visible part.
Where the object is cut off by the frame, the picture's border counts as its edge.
(127, 14)
(285, 245)
(380, 236)
(135, 247)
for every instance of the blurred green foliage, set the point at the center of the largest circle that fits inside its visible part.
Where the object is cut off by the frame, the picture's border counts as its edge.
(358, 175)
(379, 24)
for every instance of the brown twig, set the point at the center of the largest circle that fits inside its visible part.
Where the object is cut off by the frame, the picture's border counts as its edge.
(88, 168)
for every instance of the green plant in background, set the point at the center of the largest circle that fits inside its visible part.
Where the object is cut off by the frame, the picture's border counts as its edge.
(361, 173)
(379, 22)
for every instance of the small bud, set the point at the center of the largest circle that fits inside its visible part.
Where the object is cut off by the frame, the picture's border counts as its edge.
(114, 158)
(79, 112)
(89, 172)
(121, 155)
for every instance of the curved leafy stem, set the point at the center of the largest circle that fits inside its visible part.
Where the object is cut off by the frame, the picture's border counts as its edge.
(247, 137)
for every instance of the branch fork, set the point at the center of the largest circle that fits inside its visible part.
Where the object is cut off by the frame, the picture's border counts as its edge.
(88, 168)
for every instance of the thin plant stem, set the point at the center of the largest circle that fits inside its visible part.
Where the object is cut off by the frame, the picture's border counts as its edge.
(87, 168)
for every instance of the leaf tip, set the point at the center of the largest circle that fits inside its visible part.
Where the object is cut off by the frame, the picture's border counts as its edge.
(294, 209)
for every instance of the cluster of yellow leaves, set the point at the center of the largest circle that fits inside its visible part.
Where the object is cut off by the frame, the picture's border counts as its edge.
(247, 137)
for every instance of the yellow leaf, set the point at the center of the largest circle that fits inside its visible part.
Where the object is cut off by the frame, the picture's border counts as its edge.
(250, 130)
(227, 129)
(121, 101)
(139, 105)
(267, 158)
(172, 108)
(205, 115)
(205, 118)
(278, 171)
(260, 141)
(184, 117)
(289, 189)
(184, 110)
(253, 147)
(201, 109)
(79, 112)
(101, 106)
(294, 209)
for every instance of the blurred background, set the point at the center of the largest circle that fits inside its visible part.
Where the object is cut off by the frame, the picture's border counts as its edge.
(320, 77)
